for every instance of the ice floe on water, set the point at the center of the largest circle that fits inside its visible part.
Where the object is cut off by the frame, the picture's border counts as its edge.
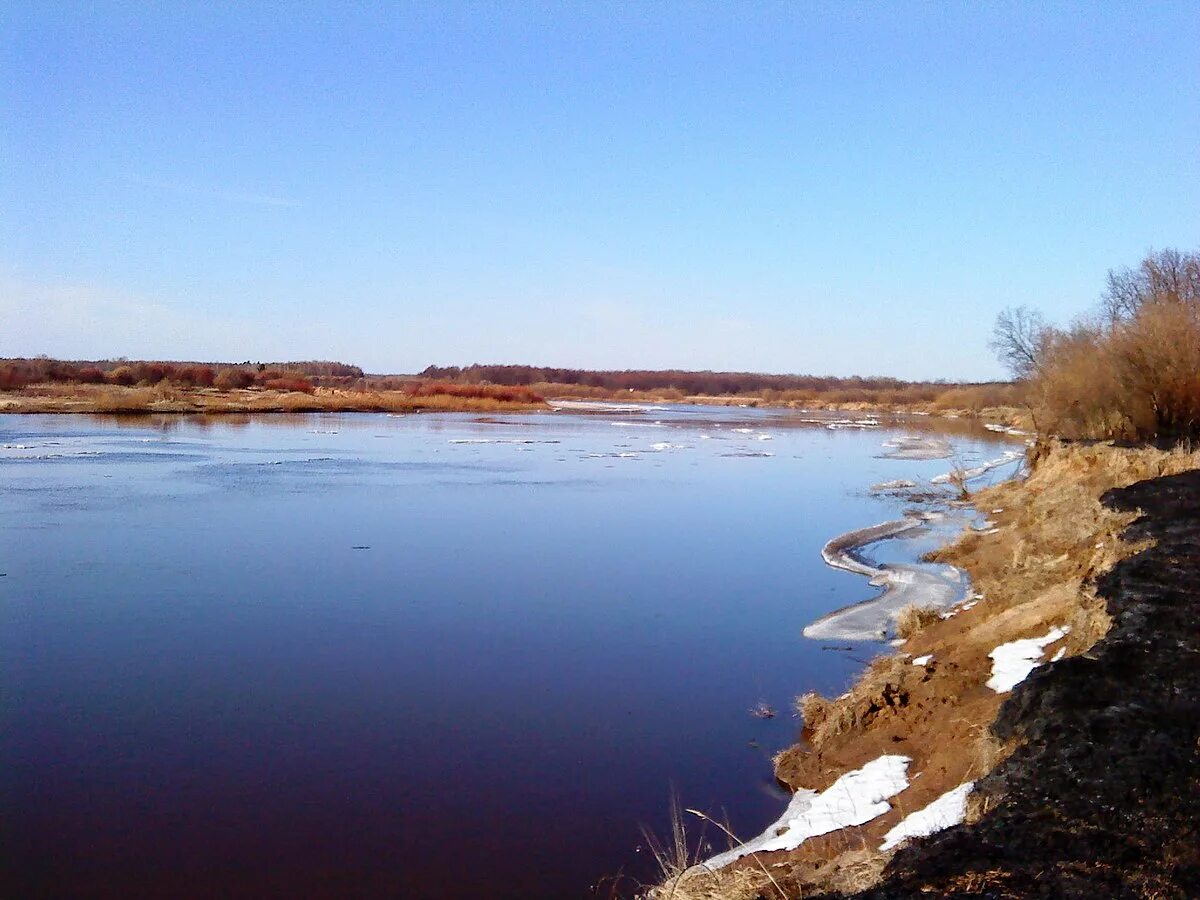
(602, 406)
(899, 484)
(1012, 662)
(753, 433)
(500, 441)
(1005, 429)
(910, 447)
(904, 584)
(852, 423)
(946, 811)
(854, 799)
(980, 470)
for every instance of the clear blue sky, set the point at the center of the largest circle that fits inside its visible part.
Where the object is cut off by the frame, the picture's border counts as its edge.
(829, 188)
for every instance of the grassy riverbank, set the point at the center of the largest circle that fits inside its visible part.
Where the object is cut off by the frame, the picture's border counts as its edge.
(168, 398)
(1034, 570)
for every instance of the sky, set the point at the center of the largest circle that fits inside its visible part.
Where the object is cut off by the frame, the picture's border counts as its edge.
(828, 188)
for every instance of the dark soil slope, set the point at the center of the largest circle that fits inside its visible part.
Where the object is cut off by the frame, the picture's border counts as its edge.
(1102, 796)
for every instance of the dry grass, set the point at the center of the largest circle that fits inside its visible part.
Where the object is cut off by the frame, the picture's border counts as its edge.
(913, 619)
(879, 691)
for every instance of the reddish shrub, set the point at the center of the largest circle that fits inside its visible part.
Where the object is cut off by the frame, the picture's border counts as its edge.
(293, 383)
(473, 391)
(195, 376)
(232, 378)
(13, 377)
(123, 375)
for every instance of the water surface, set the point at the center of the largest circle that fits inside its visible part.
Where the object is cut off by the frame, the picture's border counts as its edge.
(419, 656)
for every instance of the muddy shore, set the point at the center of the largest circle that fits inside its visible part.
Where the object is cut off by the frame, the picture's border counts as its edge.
(1101, 797)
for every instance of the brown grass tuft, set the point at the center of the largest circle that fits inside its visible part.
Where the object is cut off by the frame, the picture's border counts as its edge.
(880, 691)
(913, 619)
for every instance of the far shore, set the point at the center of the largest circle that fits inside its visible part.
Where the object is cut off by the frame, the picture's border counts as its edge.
(119, 400)
(182, 400)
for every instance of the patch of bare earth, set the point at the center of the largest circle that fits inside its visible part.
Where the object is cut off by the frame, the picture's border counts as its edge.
(1035, 569)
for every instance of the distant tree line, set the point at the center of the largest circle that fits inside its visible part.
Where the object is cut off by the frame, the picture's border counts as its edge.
(1129, 369)
(706, 383)
(292, 376)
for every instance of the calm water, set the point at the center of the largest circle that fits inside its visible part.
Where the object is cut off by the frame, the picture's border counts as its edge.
(422, 656)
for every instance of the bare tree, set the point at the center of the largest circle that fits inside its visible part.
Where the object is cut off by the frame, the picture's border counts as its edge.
(1019, 339)
(1164, 276)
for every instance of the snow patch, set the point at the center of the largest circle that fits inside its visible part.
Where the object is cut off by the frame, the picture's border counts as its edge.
(946, 811)
(1012, 662)
(923, 660)
(854, 799)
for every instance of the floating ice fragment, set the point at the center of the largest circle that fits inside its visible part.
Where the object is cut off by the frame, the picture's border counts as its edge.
(980, 470)
(898, 484)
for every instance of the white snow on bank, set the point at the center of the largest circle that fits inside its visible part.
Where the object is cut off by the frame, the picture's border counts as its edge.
(922, 660)
(947, 810)
(1012, 662)
(854, 799)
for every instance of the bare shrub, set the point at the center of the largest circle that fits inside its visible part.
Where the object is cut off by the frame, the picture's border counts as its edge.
(913, 619)
(1132, 371)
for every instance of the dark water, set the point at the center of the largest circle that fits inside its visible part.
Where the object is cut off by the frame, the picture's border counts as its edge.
(353, 656)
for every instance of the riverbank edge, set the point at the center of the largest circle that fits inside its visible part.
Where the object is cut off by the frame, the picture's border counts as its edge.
(112, 400)
(880, 710)
(1100, 795)
(188, 401)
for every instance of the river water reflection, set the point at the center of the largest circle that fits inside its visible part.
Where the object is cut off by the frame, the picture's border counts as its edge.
(419, 656)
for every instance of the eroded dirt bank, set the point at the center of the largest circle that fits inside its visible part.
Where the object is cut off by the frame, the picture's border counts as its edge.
(1101, 796)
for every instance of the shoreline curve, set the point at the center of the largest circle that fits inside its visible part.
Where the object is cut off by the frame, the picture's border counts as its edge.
(903, 584)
